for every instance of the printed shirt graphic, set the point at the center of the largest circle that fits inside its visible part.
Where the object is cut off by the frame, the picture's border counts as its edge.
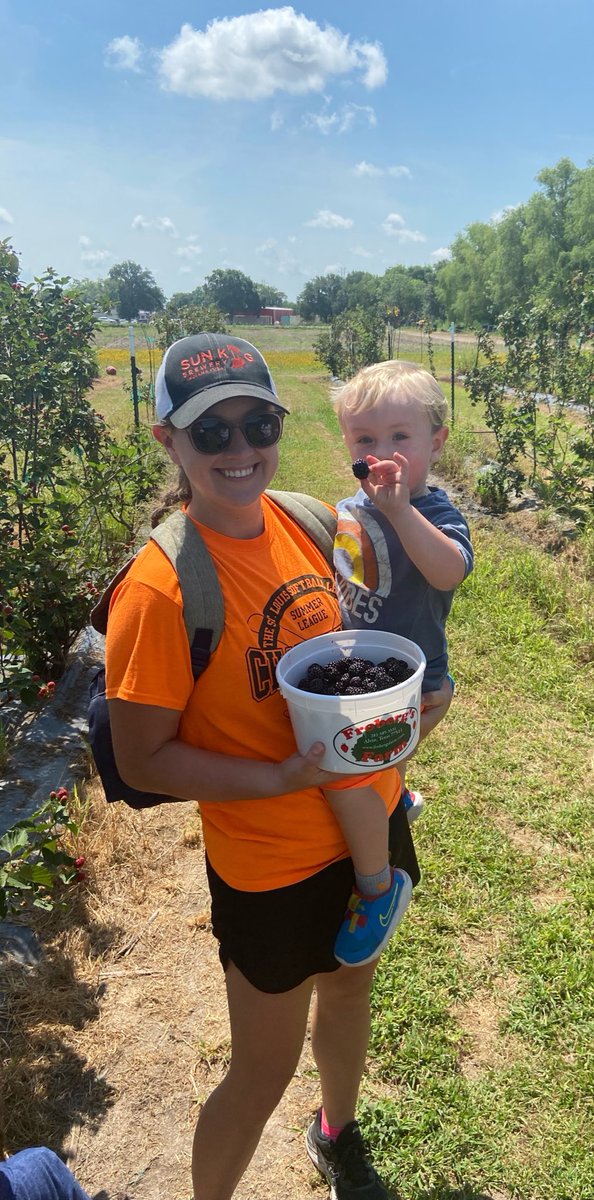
(277, 591)
(377, 583)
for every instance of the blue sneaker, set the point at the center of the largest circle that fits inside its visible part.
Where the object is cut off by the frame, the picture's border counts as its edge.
(413, 805)
(370, 921)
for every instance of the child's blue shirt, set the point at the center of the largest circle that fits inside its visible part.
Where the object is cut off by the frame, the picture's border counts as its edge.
(379, 586)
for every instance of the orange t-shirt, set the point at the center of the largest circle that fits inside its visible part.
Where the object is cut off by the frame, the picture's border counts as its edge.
(277, 591)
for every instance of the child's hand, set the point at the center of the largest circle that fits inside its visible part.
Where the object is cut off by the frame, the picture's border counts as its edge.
(387, 483)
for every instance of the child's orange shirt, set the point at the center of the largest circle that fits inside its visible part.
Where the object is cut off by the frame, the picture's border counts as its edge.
(277, 591)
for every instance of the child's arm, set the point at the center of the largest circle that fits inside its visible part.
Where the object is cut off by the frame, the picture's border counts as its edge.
(433, 553)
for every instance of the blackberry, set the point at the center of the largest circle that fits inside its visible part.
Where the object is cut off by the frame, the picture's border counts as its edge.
(360, 469)
(376, 680)
(316, 684)
(360, 665)
(315, 671)
(354, 676)
(398, 669)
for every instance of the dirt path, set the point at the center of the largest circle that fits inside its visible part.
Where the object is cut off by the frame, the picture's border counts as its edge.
(161, 1039)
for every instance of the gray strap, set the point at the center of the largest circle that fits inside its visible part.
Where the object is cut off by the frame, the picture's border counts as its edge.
(312, 516)
(201, 592)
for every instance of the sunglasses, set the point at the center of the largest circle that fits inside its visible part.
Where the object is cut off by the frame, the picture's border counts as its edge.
(212, 435)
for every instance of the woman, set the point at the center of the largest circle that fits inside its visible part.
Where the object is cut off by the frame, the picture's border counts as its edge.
(277, 864)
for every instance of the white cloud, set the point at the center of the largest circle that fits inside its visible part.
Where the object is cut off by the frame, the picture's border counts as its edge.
(361, 252)
(500, 213)
(410, 235)
(341, 121)
(395, 226)
(256, 55)
(393, 222)
(124, 53)
(192, 250)
(96, 258)
(365, 168)
(441, 253)
(267, 246)
(84, 240)
(5, 217)
(276, 121)
(324, 219)
(161, 224)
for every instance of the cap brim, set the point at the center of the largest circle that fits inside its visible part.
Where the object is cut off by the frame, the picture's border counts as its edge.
(197, 405)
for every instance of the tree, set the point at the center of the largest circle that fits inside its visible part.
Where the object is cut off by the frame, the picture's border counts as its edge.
(399, 289)
(92, 291)
(134, 288)
(354, 339)
(360, 289)
(464, 285)
(9, 264)
(177, 322)
(271, 297)
(322, 297)
(581, 220)
(232, 292)
(69, 493)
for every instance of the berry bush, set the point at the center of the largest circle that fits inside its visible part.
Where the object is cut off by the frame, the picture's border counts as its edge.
(69, 494)
(33, 861)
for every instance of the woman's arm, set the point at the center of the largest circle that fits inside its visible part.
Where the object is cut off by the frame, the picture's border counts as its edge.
(150, 757)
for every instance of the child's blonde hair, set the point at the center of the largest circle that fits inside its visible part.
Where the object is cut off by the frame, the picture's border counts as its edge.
(394, 376)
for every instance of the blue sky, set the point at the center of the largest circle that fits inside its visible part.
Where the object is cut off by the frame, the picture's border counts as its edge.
(284, 141)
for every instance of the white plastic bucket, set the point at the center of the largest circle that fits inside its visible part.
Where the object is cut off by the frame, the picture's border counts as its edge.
(361, 733)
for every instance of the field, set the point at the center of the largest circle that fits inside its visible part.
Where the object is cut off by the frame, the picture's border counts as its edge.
(481, 1068)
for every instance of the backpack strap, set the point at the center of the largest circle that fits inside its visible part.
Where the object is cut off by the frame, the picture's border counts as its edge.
(204, 617)
(312, 515)
(202, 597)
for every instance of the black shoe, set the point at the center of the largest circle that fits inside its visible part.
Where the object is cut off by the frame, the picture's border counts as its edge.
(345, 1164)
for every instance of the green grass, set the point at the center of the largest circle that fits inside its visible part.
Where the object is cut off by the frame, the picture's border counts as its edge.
(481, 1068)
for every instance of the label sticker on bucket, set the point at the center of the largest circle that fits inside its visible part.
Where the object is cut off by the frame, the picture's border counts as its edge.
(382, 740)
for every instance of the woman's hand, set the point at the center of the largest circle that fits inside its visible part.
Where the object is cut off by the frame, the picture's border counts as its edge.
(303, 771)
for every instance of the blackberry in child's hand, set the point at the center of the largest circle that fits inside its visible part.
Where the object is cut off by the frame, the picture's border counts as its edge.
(360, 469)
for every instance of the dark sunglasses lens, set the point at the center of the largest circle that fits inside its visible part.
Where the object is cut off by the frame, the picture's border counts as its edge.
(209, 436)
(262, 429)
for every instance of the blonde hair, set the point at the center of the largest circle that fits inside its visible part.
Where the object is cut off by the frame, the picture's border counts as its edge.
(393, 377)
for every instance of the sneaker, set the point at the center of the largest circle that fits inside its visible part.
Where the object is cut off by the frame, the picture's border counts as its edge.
(345, 1164)
(370, 921)
(413, 805)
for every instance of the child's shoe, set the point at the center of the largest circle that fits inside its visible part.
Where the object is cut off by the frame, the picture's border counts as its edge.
(413, 805)
(370, 921)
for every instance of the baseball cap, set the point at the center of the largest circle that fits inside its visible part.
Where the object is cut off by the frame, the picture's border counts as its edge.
(199, 370)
